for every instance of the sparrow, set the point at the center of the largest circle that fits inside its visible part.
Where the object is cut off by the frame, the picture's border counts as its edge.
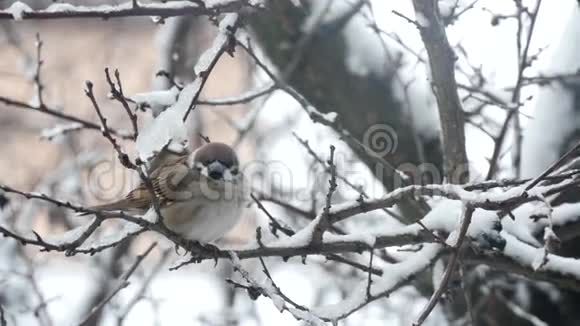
(200, 195)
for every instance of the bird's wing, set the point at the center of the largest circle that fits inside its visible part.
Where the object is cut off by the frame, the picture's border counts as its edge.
(166, 155)
(170, 184)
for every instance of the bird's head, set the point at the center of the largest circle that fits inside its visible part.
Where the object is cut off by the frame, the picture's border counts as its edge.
(217, 161)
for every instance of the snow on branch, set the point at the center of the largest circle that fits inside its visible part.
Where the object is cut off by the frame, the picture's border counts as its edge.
(496, 248)
(300, 242)
(268, 288)
(520, 258)
(485, 223)
(20, 11)
(399, 275)
(224, 42)
(169, 127)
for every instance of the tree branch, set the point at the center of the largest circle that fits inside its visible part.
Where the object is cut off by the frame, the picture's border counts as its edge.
(441, 61)
(63, 116)
(127, 9)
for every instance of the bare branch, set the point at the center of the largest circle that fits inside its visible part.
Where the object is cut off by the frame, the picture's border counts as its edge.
(129, 9)
(122, 156)
(146, 283)
(553, 167)
(402, 274)
(37, 82)
(105, 130)
(71, 248)
(523, 62)
(123, 283)
(450, 267)
(512, 116)
(441, 61)
(369, 278)
(117, 93)
(240, 99)
(519, 311)
(2, 317)
(269, 289)
(223, 43)
(63, 116)
(340, 177)
(323, 223)
(276, 225)
(565, 279)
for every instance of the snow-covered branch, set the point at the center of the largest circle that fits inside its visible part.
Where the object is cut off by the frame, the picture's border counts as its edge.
(20, 11)
(365, 240)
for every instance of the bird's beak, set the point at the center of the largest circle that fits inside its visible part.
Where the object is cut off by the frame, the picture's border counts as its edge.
(216, 170)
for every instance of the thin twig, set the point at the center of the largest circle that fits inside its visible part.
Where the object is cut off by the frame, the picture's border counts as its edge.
(269, 289)
(276, 225)
(71, 248)
(240, 99)
(519, 311)
(369, 277)
(339, 176)
(466, 221)
(37, 82)
(209, 59)
(466, 294)
(501, 203)
(499, 140)
(553, 167)
(117, 94)
(324, 224)
(2, 317)
(140, 293)
(122, 156)
(106, 131)
(523, 63)
(63, 116)
(317, 117)
(123, 283)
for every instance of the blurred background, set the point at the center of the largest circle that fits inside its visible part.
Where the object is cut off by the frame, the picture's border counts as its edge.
(369, 68)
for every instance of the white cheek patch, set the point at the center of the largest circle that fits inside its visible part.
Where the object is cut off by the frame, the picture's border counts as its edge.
(228, 176)
(203, 170)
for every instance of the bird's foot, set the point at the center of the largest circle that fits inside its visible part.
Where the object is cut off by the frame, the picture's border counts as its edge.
(212, 250)
(198, 250)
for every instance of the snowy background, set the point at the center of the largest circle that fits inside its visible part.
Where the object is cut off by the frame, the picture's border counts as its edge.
(51, 289)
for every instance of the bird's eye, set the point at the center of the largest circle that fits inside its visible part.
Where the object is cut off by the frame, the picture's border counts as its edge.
(234, 170)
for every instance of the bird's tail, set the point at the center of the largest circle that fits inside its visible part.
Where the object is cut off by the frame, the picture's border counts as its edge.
(114, 206)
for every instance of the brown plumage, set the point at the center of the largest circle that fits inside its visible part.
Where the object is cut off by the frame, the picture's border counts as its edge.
(169, 182)
(171, 178)
(200, 199)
